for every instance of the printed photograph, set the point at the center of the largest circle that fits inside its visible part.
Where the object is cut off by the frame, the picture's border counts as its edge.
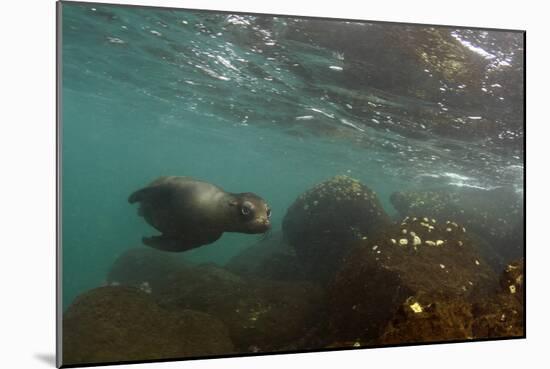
(240, 184)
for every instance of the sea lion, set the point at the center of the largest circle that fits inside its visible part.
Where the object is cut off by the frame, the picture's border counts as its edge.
(190, 213)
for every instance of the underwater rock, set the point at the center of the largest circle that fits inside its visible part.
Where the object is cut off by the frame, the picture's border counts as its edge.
(324, 222)
(492, 315)
(441, 320)
(260, 315)
(271, 259)
(497, 317)
(512, 279)
(144, 266)
(503, 314)
(422, 260)
(495, 215)
(111, 324)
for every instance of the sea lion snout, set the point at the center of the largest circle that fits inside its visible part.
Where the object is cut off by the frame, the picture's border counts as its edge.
(264, 223)
(258, 228)
(259, 224)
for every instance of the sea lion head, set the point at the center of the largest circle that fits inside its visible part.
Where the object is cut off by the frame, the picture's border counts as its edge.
(253, 213)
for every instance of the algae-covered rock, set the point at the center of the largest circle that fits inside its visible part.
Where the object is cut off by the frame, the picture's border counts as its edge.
(422, 259)
(447, 319)
(324, 222)
(495, 314)
(144, 267)
(512, 279)
(111, 324)
(271, 259)
(503, 315)
(495, 215)
(498, 317)
(261, 315)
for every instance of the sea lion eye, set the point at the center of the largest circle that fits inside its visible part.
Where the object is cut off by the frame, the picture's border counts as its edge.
(268, 213)
(246, 208)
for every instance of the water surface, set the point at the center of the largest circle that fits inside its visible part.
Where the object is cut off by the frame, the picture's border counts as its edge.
(271, 106)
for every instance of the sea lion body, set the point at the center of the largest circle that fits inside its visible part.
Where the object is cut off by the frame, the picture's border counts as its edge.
(190, 213)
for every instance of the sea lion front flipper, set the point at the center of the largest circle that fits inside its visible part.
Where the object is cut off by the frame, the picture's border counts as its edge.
(179, 244)
(164, 243)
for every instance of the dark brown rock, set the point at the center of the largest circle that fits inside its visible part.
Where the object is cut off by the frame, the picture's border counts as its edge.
(110, 324)
(445, 319)
(271, 259)
(503, 314)
(144, 266)
(512, 279)
(495, 314)
(260, 315)
(497, 317)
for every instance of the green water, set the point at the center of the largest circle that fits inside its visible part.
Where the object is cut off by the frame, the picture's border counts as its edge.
(248, 106)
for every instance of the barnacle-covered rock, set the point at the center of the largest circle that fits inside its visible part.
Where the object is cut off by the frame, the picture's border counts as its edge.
(113, 324)
(437, 262)
(445, 319)
(503, 315)
(497, 317)
(324, 222)
(512, 279)
(494, 215)
(494, 314)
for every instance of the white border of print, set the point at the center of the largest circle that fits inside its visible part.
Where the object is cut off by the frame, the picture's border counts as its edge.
(27, 154)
